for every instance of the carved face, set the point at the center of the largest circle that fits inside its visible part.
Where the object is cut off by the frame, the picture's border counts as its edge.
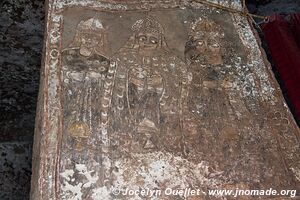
(89, 40)
(147, 42)
(208, 47)
(89, 43)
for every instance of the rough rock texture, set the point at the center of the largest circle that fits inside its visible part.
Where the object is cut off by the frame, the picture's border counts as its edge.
(21, 41)
(279, 7)
(15, 170)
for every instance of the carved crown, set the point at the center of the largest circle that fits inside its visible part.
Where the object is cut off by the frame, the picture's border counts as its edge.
(91, 25)
(148, 25)
(205, 26)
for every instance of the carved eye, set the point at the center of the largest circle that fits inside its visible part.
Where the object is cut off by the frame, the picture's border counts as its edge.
(153, 40)
(215, 45)
(200, 43)
(104, 62)
(102, 69)
(142, 38)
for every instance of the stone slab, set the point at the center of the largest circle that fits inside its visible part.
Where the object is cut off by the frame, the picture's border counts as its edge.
(156, 95)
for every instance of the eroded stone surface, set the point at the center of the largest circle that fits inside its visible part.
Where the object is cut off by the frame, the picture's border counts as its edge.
(175, 96)
(15, 170)
(21, 42)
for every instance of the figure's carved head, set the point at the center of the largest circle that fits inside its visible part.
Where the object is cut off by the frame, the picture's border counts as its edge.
(149, 34)
(204, 42)
(91, 37)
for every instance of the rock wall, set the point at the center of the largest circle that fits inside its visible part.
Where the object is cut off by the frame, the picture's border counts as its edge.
(21, 42)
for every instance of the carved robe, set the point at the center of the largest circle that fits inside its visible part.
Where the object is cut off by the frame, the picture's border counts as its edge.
(148, 99)
(83, 84)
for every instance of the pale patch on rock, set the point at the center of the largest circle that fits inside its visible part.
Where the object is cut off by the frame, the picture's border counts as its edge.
(296, 172)
(72, 189)
(71, 192)
(62, 4)
(255, 63)
(88, 175)
(157, 169)
(101, 193)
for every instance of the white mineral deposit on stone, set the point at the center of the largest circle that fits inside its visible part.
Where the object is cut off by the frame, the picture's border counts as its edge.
(154, 168)
(70, 192)
(88, 175)
(255, 60)
(74, 192)
(95, 3)
(67, 174)
(296, 172)
(236, 4)
(101, 193)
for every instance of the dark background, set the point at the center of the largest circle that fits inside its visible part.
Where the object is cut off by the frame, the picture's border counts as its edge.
(21, 42)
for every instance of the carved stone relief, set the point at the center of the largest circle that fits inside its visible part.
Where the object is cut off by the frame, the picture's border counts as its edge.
(149, 90)
(85, 67)
(217, 115)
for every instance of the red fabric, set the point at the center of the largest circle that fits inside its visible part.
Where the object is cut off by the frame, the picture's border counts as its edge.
(296, 26)
(286, 55)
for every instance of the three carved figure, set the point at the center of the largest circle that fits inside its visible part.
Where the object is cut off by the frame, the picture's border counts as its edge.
(144, 97)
